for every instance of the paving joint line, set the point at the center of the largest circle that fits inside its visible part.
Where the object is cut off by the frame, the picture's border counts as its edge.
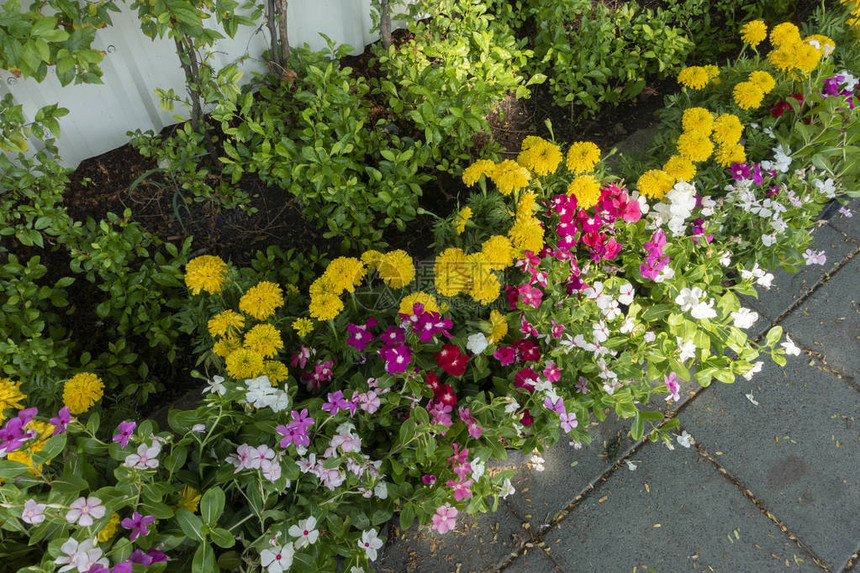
(747, 493)
(852, 561)
(826, 278)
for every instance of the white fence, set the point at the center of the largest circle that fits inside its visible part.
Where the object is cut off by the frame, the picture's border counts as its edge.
(100, 115)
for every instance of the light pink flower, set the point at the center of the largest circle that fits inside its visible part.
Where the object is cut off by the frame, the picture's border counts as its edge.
(83, 510)
(445, 518)
(34, 513)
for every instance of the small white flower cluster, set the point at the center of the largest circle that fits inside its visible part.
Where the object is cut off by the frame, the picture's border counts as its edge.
(690, 300)
(261, 394)
(676, 209)
(333, 478)
(781, 159)
(760, 276)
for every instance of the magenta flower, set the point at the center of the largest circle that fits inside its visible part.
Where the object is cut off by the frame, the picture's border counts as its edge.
(336, 403)
(61, 421)
(552, 372)
(393, 335)
(137, 524)
(301, 358)
(673, 385)
(462, 488)
(583, 385)
(126, 429)
(505, 355)
(397, 357)
(13, 435)
(471, 423)
(361, 335)
(296, 432)
(428, 479)
(429, 324)
(527, 328)
(440, 413)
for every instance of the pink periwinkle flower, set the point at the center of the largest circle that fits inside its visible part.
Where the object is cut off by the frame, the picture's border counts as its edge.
(137, 524)
(552, 372)
(673, 385)
(474, 429)
(445, 518)
(462, 488)
(126, 430)
(62, 420)
(568, 421)
(428, 479)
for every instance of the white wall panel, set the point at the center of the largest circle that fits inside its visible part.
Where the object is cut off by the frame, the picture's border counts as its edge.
(100, 115)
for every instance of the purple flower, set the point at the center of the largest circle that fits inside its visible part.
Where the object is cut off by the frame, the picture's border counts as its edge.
(568, 421)
(147, 558)
(13, 435)
(557, 406)
(361, 335)
(296, 432)
(336, 403)
(126, 429)
(393, 335)
(61, 421)
(583, 385)
(428, 324)
(397, 357)
(137, 524)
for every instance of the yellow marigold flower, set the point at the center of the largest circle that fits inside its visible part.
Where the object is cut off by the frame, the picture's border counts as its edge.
(510, 176)
(345, 273)
(325, 306)
(527, 234)
(680, 168)
(10, 396)
(699, 120)
(730, 153)
(264, 339)
(763, 80)
(712, 71)
(539, 155)
(107, 532)
(303, 326)
(728, 129)
(484, 286)
(205, 273)
(372, 258)
(527, 204)
(782, 58)
(748, 95)
(586, 188)
(695, 146)
(754, 33)
(275, 371)
(244, 363)
(407, 304)
(459, 223)
(499, 252)
(695, 77)
(396, 269)
(451, 272)
(473, 172)
(806, 57)
(582, 157)
(785, 33)
(224, 322)
(498, 327)
(224, 346)
(82, 391)
(655, 183)
(262, 300)
(189, 499)
(821, 43)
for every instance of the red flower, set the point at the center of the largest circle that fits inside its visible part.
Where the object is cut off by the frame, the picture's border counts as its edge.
(432, 380)
(452, 360)
(527, 418)
(525, 379)
(445, 394)
(784, 105)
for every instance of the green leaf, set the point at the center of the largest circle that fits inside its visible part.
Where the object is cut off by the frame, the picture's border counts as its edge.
(212, 505)
(638, 427)
(191, 525)
(69, 484)
(222, 538)
(773, 336)
(10, 469)
(52, 447)
(204, 559)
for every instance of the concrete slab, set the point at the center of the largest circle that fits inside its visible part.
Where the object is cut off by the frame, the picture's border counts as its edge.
(797, 450)
(787, 287)
(541, 495)
(848, 225)
(829, 321)
(477, 544)
(675, 512)
(532, 561)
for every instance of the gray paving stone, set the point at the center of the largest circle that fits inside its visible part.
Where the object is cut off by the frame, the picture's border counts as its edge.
(829, 321)
(848, 225)
(797, 451)
(567, 473)
(787, 287)
(675, 512)
(532, 561)
(476, 544)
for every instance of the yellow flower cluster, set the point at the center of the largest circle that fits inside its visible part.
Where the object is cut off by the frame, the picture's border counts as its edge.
(680, 168)
(460, 220)
(226, 322)
(498, 252)
(498, 327)
(189, 498)
(794, 55)
(407, 304)
(275, 371)
(697, 77)
(527, 234)
(695, 146)
(699, 120)
(82, 391)
(455, 273)
(205, 273)
(345, 273)
(727, 133)
(10, 396)
(244, 363)
(701, 131)
(754, 33)
(510, 176)
(539, 155)
(223, 347)
(582, 157)
(264, 339)
(482, 167)
(303, 326)
(109, 530)
(395, 267)
(262, 300)
(527, 204)
(586, 188)
(749, 94)
(655, 183)
(325, 299)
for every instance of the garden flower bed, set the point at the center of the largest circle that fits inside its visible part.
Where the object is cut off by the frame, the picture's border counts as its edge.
(560, 292)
